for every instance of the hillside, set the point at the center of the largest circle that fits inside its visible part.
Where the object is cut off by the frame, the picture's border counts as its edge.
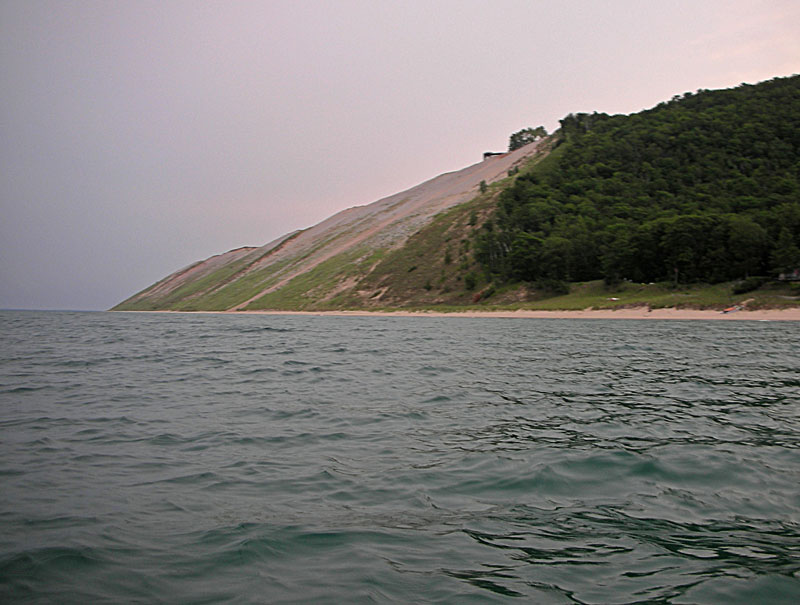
(608, 211)
(312, 268)
(705, 187)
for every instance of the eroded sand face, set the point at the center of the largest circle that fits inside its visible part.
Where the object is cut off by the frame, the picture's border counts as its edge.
(384, 224)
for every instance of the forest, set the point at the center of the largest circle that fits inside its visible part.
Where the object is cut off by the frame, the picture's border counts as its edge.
(704, 187)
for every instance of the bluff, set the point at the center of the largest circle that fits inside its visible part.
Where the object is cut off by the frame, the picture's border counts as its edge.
(701, 189)
(323, 267)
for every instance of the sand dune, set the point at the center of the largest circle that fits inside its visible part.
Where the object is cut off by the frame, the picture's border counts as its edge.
(384, 224)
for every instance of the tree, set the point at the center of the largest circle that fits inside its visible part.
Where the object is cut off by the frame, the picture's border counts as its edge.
(785, 255)
(747, 241)
(523, 260)
(470, 281)
(525, 136)
(683, 246)
(554, 258)
(697, 189)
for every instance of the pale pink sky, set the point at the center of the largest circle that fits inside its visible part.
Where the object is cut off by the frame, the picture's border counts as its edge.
(140, 136)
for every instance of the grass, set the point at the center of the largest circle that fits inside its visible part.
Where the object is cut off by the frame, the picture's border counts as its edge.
(183, 295)
(310, 290)
(434, 264)
(596, 295)
(236, 291)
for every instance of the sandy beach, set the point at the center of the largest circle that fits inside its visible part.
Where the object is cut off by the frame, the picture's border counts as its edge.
(627, 313)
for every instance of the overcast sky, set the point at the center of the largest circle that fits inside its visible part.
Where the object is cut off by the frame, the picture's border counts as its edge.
(137, 137)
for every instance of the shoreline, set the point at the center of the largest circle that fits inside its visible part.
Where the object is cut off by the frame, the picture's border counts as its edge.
(627, 313)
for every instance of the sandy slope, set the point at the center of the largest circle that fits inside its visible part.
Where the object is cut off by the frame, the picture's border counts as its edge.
(386, 223)
(389, 221)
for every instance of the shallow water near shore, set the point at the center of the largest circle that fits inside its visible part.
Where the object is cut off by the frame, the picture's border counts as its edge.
(282, 459)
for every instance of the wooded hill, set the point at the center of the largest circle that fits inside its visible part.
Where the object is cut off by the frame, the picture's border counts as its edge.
(702, 188)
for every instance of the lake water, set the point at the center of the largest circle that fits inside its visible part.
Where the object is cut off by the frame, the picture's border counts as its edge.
(183, 458)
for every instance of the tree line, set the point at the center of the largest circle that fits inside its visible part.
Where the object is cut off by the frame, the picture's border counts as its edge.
(704, 187)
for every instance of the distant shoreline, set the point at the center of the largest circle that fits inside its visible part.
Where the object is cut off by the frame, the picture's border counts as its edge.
(626, 313)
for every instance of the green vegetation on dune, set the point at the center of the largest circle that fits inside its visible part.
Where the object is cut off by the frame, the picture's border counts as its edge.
(598, 295)
(181, 298)
(235, 292)
(686, 195)
(705, 187)
(317, 288)
(436, 266)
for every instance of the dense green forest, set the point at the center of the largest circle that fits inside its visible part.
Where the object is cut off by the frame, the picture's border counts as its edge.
(704, 187)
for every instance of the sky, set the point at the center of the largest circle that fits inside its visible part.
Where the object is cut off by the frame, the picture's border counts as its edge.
(137, 137)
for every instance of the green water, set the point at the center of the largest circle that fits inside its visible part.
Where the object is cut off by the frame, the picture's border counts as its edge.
(249, 459)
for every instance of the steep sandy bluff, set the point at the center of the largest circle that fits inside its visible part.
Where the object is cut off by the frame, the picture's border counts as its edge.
(235, 279)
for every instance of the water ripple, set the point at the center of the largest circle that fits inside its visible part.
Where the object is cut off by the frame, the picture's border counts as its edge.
(205, 458)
